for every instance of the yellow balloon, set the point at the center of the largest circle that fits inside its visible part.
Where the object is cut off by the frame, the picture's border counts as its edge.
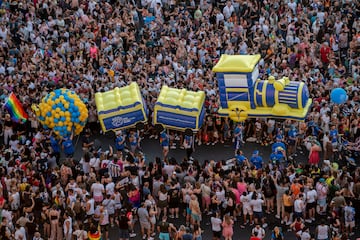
(67, 114)
(58, 110)
(57, 101)
(53, 112)
(50, 103)
(57, 115)
(61, 97)
(62, 114)
(69, 128)
(66, 105)
(60, 123)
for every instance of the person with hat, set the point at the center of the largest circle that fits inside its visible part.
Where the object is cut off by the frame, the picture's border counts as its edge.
(256, 160)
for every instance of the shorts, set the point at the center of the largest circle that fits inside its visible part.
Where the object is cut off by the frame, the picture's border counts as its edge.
(288, 209)
(206, 200)
(310, 205)
(165, 148)
(162, 204)
(258, 215)
(247, 211)
(217, 234)
(270, 130)
(321, 202)
(104, 228)
(98, 199)
(124, 233)
(195, 217)
(164, 236)
(145, 225)
(350, 224)
(298, 215)
(188, 211)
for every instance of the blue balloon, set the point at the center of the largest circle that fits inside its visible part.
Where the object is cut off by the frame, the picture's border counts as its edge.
(54, 106)
(56, 120)
(63, 119)
(48, 114)
(338, 96)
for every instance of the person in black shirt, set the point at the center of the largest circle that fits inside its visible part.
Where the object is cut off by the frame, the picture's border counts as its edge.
(124, 223)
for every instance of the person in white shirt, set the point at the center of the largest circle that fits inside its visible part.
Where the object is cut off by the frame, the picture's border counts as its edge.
(311, 197)
(97, 189)
(228, 10)
(247, 209)
(305, 235)
(256, 204)
(20, 232)
(322, 231)
(258, 232)
(299, 206)
(216, 226)
(67, 226)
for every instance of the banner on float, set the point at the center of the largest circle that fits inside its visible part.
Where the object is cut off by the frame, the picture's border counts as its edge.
(120, 108)
(179, 109)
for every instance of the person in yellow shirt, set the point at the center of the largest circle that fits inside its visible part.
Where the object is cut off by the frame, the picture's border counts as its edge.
(288, 207)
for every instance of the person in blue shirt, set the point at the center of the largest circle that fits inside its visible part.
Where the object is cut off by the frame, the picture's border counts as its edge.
(334, 134)
(164, 142)
(278, 155)
(238, 136)
(120, 141)
(68, 146)
(240, 158)
(55, 146)
(278, 143)
(292, 138)
(256, 160)
(134, 140)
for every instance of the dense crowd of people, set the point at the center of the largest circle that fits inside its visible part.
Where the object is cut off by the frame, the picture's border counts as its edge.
(96, 45)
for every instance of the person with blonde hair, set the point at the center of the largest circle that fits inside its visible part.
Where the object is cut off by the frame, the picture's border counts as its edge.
(227, 225)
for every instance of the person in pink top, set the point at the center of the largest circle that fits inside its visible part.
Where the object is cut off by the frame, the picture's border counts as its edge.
(322, 191)
(227, 225)
(241, 186)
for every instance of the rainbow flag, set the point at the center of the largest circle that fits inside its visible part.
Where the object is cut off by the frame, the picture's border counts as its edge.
(94, 236)
(15, 109)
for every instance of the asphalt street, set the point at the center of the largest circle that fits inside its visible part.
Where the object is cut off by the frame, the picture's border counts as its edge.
(152, 149)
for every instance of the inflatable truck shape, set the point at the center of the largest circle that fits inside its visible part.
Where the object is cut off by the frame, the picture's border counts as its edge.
(120, 108)
(179, 109)
(243, 95)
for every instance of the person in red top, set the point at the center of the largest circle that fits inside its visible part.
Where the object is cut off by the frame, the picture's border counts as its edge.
(325, 51)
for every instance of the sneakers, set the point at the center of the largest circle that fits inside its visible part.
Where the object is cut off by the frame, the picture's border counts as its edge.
(150, 238)
(288, 223)
(133, 235)
(313, 219)
(308, 220)
(153, 234)
(151, 136)
(173, 147)
(277, 216)
(264, 225)
(144, 237)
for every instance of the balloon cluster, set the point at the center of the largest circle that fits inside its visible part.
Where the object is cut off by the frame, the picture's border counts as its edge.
(63, 111)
